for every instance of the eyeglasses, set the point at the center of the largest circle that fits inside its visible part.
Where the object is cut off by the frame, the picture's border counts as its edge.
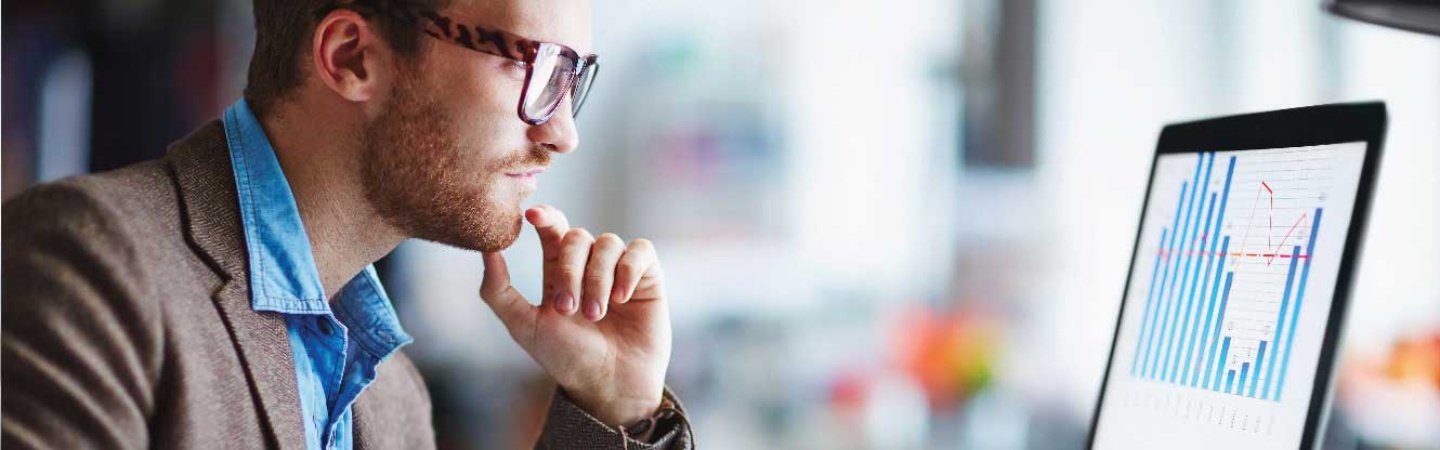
(551, 70)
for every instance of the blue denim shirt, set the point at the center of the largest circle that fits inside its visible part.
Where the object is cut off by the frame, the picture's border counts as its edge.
(337, 344)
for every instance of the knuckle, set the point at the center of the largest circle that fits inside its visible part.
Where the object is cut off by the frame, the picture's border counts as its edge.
(609, 239)
(595, 277)
(597, 271)
(578, 235)
(570, 274)
(625, 273)
(642, 244)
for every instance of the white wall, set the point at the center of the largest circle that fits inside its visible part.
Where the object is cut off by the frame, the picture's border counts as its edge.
(1114, 72)
(869, 168)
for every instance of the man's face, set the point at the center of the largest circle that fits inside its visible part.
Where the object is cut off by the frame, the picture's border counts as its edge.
(449, 160)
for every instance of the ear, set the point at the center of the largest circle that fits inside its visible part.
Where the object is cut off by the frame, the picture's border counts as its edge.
(349, 57)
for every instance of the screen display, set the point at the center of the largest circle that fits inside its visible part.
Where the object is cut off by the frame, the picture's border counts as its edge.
(1228, 300)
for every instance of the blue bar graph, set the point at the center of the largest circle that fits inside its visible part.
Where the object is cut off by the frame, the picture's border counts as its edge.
(1300, 298)
(1187, 336)
(1224, 351)
(1188, 331)
(1185, 298)
(1150, 341)
(1259, 361)
(1149, 304)
(1244, 370)
(1208, 300)
(1224, 356)
(1280, 319)
(1210, 315)
(1177, 254)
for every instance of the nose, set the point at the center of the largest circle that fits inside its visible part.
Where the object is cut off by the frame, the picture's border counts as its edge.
(557, 134)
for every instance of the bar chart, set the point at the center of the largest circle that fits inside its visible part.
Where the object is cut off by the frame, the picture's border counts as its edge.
(1228, 281)
(1230, 297)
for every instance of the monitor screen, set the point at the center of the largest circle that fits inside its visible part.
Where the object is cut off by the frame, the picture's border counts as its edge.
(1229, 298)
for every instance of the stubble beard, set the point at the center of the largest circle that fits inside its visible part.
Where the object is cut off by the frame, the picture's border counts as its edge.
(421, 182)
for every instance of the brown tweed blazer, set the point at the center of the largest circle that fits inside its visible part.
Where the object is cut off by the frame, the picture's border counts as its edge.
(127, 324)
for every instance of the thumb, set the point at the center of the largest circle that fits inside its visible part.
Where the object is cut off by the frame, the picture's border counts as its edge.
(497, 292)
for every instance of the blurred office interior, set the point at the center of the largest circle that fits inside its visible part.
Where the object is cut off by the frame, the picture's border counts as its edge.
(900, 224)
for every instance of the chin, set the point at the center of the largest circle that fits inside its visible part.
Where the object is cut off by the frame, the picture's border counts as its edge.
(502, 240)
(471, 222)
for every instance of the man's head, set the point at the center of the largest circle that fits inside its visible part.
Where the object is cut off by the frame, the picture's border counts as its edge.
(442, 153)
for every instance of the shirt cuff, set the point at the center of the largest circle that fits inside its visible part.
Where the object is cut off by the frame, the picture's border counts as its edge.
(569, 427)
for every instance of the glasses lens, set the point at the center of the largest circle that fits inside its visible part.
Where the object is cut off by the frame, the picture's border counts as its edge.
(582, 88)
(548, 75)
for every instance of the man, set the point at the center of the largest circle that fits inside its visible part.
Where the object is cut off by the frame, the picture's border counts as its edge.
(222, 297)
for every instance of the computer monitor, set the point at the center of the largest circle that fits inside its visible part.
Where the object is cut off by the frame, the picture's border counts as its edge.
(1239, 281)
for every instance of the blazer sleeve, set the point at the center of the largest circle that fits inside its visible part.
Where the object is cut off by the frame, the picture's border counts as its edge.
(569, 427)
(79, 353)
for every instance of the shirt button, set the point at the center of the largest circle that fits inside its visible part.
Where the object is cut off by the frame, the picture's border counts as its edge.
(324, 325)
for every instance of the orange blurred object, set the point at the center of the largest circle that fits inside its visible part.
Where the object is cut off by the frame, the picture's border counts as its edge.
(1416, 360)
(951, 356)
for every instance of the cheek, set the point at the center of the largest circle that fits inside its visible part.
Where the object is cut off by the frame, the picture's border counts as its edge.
(481, 103)
(487, 122)
(481, 87)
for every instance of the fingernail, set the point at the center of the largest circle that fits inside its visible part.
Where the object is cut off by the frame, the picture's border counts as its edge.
(572, 305)
(617, 295)
(564, 302)
(592, 310)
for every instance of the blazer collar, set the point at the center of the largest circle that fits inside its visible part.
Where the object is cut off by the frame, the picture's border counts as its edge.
(201, 165)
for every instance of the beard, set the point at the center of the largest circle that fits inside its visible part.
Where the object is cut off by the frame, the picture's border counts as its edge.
(419, 180)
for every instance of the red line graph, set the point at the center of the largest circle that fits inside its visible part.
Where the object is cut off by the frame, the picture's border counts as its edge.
(1287, 235)
(1271, 251)
(1270, 213)
(1271, 256)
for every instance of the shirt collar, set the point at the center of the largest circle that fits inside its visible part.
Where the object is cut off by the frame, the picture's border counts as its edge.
(283, 274)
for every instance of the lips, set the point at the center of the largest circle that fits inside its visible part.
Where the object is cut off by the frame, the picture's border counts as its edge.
(526, 177)
(525, 172)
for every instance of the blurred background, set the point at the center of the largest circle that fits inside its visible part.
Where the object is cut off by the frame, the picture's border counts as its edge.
(901, 224)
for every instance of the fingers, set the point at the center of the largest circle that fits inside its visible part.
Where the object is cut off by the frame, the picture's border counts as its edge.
(600, 274)
(572, 257)
(497, 292)
(638, 259)
(583, 273)
(551, 225)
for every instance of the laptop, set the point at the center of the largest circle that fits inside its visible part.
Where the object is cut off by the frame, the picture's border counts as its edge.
(1239, 281)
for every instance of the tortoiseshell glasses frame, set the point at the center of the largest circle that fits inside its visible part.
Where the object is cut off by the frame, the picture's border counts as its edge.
(550, 69)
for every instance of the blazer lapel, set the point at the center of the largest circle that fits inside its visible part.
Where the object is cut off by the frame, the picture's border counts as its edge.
(202, 170)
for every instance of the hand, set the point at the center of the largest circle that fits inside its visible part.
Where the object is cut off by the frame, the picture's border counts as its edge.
(611, 358)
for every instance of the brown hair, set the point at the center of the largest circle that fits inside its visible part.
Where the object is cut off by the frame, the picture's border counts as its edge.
(282, 29)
